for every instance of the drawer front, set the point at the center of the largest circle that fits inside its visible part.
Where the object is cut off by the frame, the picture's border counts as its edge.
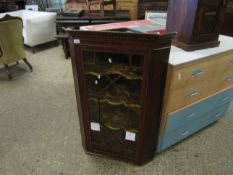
(226, 63)
(69, 6)
(187, 95)
(97, 7)
(195, 111)
(226, 80)
(224, 97)
(173, 137)
(193, 74)
(226, 71)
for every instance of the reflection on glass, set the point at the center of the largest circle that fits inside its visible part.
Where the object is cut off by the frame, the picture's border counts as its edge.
(113, 84)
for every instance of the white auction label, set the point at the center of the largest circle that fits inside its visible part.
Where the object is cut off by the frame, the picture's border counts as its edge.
(130, 136)
(76, 41)
(95, 126)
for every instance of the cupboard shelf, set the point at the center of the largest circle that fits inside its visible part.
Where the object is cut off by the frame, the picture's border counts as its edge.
(130, 74)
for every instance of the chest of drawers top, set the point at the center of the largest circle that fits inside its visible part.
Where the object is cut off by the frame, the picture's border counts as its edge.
(179, 56)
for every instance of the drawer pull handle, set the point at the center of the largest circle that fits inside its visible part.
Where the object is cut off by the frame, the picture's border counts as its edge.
(197, 73)
(225, 99)
(218, 115)
(193, 94)
(228, 78)
(185, 133)
(190, 115)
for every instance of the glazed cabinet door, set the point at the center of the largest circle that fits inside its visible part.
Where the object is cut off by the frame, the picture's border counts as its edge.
(119, 82)
(113, 84)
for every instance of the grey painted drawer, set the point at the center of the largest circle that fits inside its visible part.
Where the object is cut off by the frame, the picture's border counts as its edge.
(191, 127)
(194, 112)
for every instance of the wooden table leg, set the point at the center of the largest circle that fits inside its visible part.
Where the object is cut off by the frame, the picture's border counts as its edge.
(65, 44)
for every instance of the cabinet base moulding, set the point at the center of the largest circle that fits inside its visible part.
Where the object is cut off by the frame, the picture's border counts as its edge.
(195, 46)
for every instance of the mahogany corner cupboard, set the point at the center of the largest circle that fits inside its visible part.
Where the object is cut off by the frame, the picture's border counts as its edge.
(119, 82)
(197, 22)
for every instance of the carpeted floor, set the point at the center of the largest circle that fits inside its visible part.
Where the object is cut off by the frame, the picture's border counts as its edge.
(39, 130)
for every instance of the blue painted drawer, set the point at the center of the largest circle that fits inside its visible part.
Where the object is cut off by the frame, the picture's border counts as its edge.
(191, 127)
(195, 111)
(225, 96)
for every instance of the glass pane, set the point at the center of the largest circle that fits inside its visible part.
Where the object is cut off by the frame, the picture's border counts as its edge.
(114, 83)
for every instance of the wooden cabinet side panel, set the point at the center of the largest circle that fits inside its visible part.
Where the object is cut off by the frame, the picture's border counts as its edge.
(165, 97)
(153, 108)
(78, 82)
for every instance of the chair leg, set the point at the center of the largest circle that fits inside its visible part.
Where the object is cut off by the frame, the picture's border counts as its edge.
(28, 64)
(8, 71)
(57, 42)
(33, 50)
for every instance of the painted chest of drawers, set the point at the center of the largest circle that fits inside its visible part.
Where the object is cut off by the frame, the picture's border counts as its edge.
(198, 91)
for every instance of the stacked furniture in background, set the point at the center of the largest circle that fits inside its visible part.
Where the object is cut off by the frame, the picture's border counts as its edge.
(199, 89)
(101, 4)
(38, 27)
(11, 5)
(69, 22)
(151, 5)
(130, 5)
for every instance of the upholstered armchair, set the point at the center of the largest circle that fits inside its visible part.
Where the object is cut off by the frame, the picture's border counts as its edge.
(38, 27)
(11, 42)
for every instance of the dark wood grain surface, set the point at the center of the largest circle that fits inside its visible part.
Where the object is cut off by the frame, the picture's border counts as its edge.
(197, 22)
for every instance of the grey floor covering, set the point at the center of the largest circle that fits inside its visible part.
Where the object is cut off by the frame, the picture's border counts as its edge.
(39, 130)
